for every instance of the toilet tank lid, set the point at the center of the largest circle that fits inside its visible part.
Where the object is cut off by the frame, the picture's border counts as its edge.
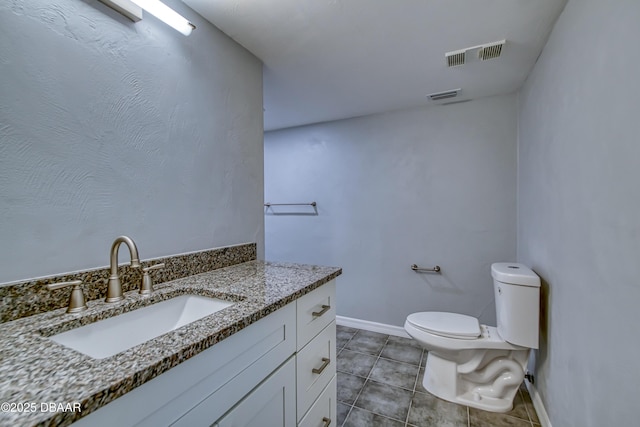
(515, 274)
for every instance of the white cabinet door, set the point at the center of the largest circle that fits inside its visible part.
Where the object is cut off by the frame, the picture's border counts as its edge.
(272, 403)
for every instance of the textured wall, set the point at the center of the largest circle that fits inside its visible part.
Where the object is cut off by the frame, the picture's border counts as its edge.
(579, 211)
(109, 127)
(426, 186)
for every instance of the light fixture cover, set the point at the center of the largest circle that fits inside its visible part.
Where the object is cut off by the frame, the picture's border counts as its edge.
(125, 7)
(166, 15)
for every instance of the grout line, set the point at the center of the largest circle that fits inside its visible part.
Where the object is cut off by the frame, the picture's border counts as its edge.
(347, 416)
(383, 416)
(349, 340)
(415, 384)
(365, 381)
(369, 375)
(381, 357)
(406, 419)
(468, 417)
(398, 361)
(350, 406)
(365, 354)
(524, 402)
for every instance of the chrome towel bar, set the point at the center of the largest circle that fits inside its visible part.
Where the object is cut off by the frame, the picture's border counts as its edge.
(290, 204)
(435, 269)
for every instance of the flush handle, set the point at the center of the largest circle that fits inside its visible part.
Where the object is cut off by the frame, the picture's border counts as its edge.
(326, 422)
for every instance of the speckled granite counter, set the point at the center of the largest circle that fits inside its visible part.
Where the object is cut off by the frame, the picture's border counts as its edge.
(34, 369)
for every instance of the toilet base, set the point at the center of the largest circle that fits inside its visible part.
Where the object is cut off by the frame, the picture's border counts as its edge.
(491, 386)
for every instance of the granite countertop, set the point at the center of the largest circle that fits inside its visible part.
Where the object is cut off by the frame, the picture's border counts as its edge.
(34, 369)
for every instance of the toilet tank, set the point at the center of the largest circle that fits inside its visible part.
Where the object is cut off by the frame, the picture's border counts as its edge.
(517, 292)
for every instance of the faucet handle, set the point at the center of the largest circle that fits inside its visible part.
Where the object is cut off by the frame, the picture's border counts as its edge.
(146, 287)
(153, 267)
(77, 302)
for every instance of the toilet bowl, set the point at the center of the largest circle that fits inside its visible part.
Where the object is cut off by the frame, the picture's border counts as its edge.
(478, 365)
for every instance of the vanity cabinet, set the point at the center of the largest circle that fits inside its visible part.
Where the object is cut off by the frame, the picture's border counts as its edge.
(279, 371)
(316, 355)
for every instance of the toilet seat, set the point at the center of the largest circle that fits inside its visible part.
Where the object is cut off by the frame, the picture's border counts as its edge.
(488, 338)
(444, 324)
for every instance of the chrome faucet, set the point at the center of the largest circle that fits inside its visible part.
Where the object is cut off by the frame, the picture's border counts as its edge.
(114, 288)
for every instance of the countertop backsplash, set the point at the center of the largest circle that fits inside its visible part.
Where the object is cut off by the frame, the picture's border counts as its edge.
(29, 297)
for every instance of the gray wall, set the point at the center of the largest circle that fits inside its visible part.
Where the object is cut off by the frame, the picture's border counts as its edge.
(579, 211)
(109, 127)
(427, 186)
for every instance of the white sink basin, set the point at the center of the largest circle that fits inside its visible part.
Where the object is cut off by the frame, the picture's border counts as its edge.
(115, 334)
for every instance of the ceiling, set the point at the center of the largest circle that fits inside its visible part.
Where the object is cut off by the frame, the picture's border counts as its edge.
(333, 59)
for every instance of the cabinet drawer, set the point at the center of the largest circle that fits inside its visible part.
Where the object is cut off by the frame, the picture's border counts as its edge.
(315, 311)
(323, 411)
(315, 367)
(272, 403)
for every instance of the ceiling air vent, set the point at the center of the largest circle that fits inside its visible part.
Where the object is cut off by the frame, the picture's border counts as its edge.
(455, 58)
(485, 51)
(438, 96)
(491, 50)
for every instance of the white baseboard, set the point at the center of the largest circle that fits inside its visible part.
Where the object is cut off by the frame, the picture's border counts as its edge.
(538, 405)
(382, 328)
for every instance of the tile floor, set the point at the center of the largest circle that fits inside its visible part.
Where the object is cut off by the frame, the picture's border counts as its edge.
(380, 384)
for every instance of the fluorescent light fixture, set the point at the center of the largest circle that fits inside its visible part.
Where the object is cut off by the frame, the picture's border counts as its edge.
(132, 9)
(166, 15)
(125, 7)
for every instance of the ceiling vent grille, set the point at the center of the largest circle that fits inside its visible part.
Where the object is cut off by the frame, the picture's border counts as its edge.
(438, 96)
(491, 50)
(456, 58)
(485, 51)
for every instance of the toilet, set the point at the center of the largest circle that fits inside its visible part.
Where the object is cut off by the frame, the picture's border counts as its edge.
(478, 365)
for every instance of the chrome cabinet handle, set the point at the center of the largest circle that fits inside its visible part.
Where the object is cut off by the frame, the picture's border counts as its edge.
(326, 421)
(325, 308)
(325, 363)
